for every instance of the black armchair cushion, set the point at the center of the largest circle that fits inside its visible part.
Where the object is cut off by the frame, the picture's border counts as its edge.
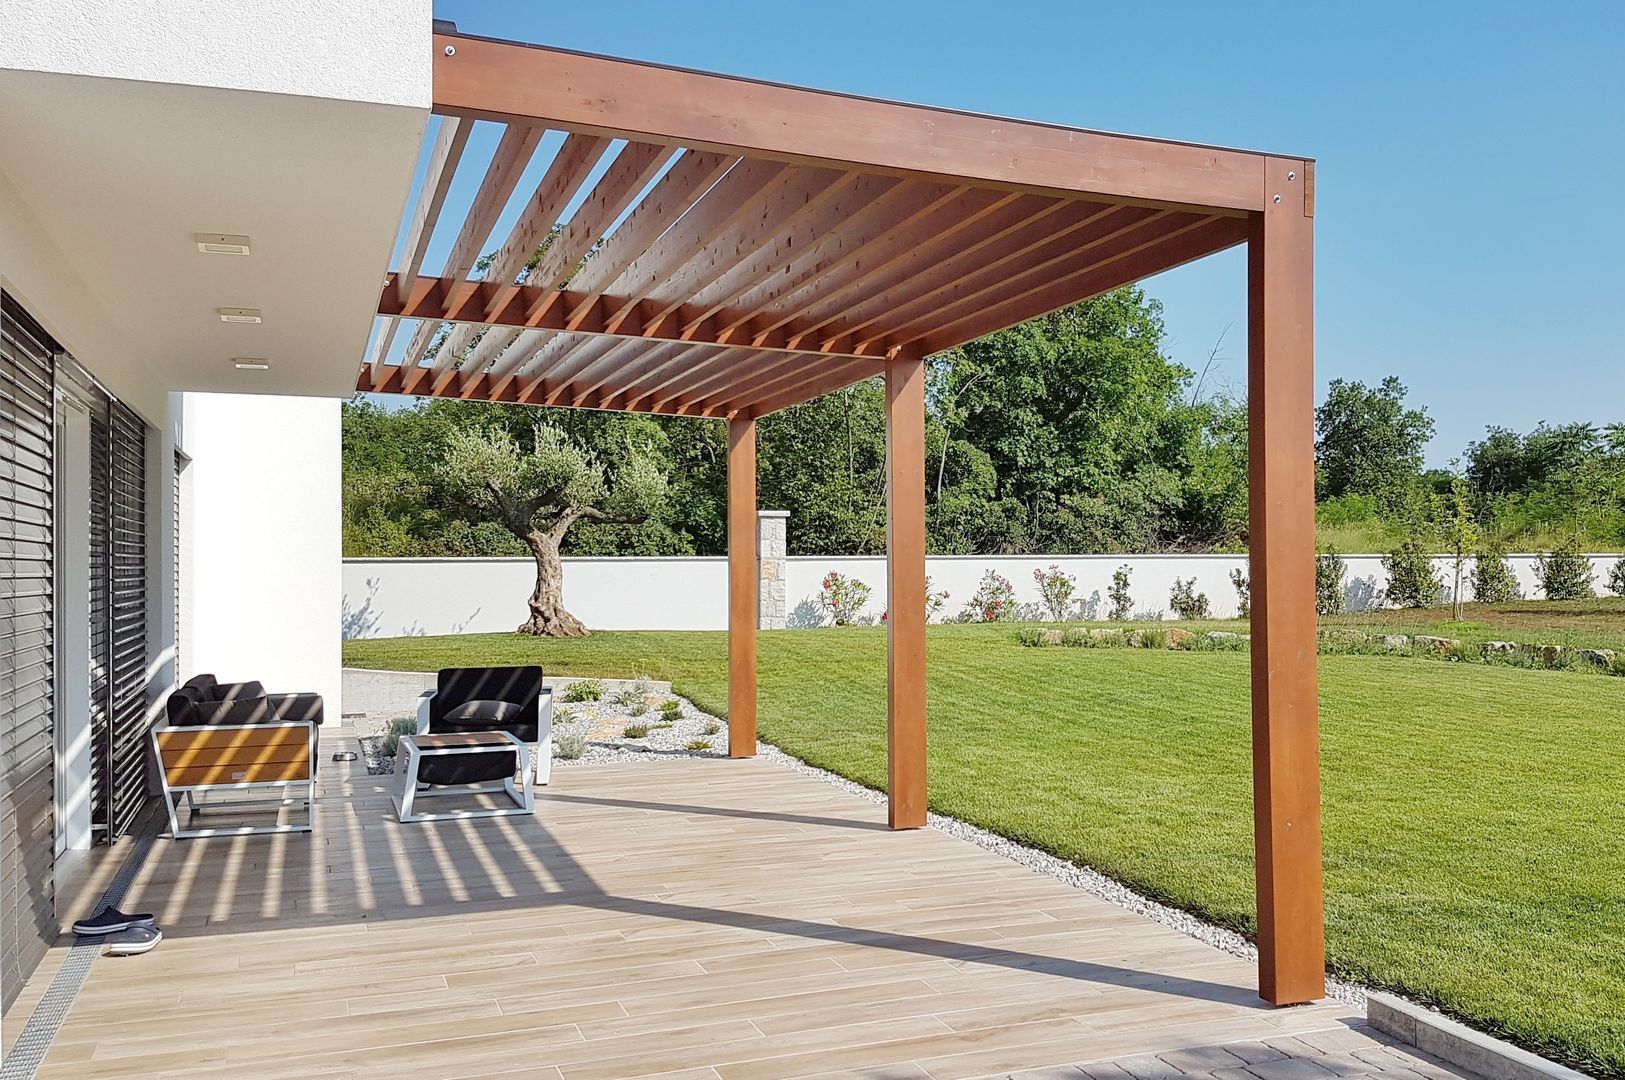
(298, 706)
(467, 768)
(482, 688)
(484, 715)
(204, 700)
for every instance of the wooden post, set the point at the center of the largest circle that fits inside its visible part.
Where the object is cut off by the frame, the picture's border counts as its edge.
(1281, 536)
(742, 585)
(905, 592)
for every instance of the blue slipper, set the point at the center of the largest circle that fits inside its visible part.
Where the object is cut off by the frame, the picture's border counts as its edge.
(109, 921)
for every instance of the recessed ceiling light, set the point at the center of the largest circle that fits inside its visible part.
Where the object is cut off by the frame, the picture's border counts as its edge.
(240, 314)
(221, 243)
(251, 363)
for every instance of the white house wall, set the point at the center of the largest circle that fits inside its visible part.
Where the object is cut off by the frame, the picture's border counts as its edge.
(400, 597)
(262, 584)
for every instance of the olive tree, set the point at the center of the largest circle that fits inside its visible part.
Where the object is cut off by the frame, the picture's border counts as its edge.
(538, 492)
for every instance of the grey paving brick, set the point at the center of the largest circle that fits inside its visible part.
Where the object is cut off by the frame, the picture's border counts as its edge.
(1296, 1068)
(1292, 1046)
(1345, 1039)
(1254, 1051)
(1201, 1059)
(1105, 1070)
(1149, 1067)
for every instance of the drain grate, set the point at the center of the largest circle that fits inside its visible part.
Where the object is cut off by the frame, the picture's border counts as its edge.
(52, 1011)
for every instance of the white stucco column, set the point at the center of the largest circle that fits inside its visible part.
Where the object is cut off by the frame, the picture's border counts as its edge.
(770, 552)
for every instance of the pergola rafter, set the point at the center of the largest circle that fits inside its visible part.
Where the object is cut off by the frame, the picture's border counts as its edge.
(746, 246)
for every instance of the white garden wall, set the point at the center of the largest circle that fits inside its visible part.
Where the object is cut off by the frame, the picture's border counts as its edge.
(399, 597)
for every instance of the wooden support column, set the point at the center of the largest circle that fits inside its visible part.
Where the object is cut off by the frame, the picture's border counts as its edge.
(905, 592)
(1281, 536)
(742, 586)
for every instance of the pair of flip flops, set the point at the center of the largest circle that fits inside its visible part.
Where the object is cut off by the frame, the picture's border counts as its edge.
(123, 933)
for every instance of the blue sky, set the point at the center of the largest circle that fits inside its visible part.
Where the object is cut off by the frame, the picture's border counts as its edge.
(1471, 181)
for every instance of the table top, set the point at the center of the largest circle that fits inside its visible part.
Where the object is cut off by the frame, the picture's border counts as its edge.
(464, 740)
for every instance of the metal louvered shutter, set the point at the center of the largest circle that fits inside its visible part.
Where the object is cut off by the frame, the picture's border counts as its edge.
(101, 540)
(127, 601)
(27, 646)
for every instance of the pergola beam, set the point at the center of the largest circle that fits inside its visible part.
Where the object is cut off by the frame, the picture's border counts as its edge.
(499, 80)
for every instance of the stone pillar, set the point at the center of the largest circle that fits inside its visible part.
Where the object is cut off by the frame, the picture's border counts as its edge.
(770, 568)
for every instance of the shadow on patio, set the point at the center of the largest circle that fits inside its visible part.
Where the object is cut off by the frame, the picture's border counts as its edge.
(726, 915)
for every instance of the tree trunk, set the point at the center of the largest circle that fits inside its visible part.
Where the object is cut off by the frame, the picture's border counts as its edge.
(1455, 596)
(547, 615)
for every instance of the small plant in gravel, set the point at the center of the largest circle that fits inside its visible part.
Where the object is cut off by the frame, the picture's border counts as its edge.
(1186, 601)
(842, 597)
(1244, 592)
(390, 743)
(698, 744)
(563, 714)
(636, 731)
(993, 601)
(638, 708)
(584, 690)
(1564, 573)
(712, 728)
(570, 746)
(1055, 589)
(1122, 603)
(671, 704)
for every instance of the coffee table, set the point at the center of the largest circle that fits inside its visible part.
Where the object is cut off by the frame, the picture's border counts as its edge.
(464, 763)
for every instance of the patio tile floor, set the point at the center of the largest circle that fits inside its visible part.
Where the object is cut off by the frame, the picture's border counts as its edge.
(704, 918)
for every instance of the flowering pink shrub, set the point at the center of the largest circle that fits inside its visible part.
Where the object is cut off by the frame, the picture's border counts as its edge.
(993, 601)
(843, 597)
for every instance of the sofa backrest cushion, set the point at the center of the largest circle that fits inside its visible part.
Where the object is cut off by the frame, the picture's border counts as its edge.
(224, 691)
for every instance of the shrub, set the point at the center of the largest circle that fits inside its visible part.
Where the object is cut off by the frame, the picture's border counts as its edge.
(1122, 603)
(1030, 636)
(563, 714)
(842, 597)
(636, 731)
(1329, 568)
(570, 746)
(712, 728)
(390, 743)
(1153, 639)
(933, 602)
(1186, 601)
(1564, 573)
(993, 601)
(584, 690)
(638, 708)
(698, 744)
(1244, 592)
(1493, 580)
(1055, 588)
(1076, 637)
(1616, 578)
(1411, 582)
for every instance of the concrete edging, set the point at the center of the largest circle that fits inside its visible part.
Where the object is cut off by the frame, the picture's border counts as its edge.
(1459, 1044)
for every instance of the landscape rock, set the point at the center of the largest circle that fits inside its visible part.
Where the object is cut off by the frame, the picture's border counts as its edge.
(1136, 639)
(1501, 646)
(1101, 635)
(1437, 644)
(1396, 641)
(1222, 635)
(1600, 657)
(1344, 634)
(1551, 655)
(1180, 639)
(1053, 637)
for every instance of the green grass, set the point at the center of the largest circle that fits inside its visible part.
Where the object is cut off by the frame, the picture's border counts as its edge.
(1475, 857)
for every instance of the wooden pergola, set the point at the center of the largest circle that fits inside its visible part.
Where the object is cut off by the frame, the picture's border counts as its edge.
(753, 246)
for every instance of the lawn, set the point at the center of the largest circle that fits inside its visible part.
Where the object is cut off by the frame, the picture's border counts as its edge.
(1475, 857)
